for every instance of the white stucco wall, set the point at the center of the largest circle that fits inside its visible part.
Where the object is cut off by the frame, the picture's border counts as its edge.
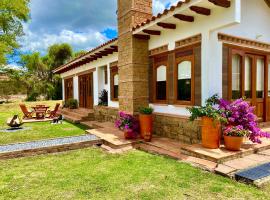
(97, 77)
(63, 89)
(255, 21)
(211, 66)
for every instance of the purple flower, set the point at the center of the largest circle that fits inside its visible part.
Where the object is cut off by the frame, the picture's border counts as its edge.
(241, 115)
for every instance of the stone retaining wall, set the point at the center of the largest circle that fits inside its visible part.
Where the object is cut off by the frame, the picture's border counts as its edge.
(166, 125)
(177, 127)
(105, 114)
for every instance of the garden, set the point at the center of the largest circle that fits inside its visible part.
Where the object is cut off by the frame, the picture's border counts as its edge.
(37, 130)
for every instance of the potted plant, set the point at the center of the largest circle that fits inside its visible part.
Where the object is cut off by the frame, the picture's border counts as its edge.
(234, 136)
(240, 113)
(211, 120)
(128, 124)
(146, 123)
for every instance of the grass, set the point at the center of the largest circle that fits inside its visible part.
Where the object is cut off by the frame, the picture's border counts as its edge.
(36, 131)
(93, 174)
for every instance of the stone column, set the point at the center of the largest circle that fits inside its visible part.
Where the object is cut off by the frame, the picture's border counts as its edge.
(133, 58)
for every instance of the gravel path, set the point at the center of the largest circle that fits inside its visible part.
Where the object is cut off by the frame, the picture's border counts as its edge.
(46, 143)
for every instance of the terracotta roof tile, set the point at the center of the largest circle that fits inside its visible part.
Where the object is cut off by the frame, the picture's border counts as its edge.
(89, 52)
(165, 12)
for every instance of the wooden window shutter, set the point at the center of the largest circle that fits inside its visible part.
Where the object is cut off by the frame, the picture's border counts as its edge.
(225, 70)
(170, 81)
(197, 76)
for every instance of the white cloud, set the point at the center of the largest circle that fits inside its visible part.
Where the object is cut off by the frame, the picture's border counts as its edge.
(78, 23)
(37, 42)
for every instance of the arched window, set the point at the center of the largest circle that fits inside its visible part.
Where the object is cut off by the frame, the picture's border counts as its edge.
(161, 83)
(236, 76)
(184, 84)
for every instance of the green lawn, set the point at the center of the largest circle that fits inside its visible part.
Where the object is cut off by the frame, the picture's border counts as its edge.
(93, 174)
(38, 130)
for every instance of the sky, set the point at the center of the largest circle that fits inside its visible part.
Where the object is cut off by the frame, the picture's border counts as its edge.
(84, 24)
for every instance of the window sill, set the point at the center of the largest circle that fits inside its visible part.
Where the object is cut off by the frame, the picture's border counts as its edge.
(175, 105)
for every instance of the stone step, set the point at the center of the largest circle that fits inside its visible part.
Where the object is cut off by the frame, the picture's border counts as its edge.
(171, 148)
(72, 119)
(111, 136)
(233, 167)
(70, 113)
(222, 155)
(116, 151)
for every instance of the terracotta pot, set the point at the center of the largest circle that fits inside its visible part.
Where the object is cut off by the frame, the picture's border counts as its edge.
(129, 135)
(146, 125)
(233, 143)
(211, 133)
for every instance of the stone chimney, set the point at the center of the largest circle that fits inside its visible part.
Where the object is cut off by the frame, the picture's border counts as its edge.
(133, 56)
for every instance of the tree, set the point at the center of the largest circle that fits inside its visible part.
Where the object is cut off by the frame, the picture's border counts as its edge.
(79, 53)
(12, 14)
(58, 54)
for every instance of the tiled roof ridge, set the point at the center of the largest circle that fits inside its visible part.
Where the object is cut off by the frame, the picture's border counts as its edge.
(159, 15)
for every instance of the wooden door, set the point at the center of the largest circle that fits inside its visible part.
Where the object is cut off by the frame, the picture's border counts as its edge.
(68, 84)
(254, 83)
(258, 87)
(86, 91)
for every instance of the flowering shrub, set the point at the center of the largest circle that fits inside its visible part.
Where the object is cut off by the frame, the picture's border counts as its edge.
(235, 131)
(127, 122)
(211, 109)
(239, 112)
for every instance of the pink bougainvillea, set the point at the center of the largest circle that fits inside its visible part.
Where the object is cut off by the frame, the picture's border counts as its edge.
(239, 112)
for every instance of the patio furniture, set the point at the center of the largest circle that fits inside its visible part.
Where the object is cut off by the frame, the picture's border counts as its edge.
(27, 114)
(40, 111)
(53, 113)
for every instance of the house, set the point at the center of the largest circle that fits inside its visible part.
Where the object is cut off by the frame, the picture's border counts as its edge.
(176, 59)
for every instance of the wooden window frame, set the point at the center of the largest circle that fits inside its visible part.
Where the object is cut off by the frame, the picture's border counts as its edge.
(158, 61)
(254, 53)
(105, 75)
(113, 72)
(66, 81)
(177, 62)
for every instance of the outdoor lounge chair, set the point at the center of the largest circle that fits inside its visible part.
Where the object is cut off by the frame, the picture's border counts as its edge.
(27, 114)
(53, 113)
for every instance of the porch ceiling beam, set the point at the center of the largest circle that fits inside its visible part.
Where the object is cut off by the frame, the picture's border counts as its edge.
(222, 3)
(140, 36)
(186, 18)
(167, 25)
(201, 10)
(152, 32)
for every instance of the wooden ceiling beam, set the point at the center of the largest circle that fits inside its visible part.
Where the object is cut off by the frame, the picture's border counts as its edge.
(201, 10)
(140, 36)
(167, 25)
(185, 18)
(152, 32)
(222, 3)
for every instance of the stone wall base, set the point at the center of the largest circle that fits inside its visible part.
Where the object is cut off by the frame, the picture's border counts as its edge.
(105, 114)
(165, 125)
(177, 127)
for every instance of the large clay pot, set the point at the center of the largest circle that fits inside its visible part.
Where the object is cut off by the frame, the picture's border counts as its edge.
(233, 143)
(211, 133)
(146, 126)
(129, 135)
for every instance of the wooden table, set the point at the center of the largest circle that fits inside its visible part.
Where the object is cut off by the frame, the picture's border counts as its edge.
(40, 111)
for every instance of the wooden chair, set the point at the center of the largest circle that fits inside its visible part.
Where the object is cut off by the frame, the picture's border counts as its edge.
(53, 113)
(27, 114)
